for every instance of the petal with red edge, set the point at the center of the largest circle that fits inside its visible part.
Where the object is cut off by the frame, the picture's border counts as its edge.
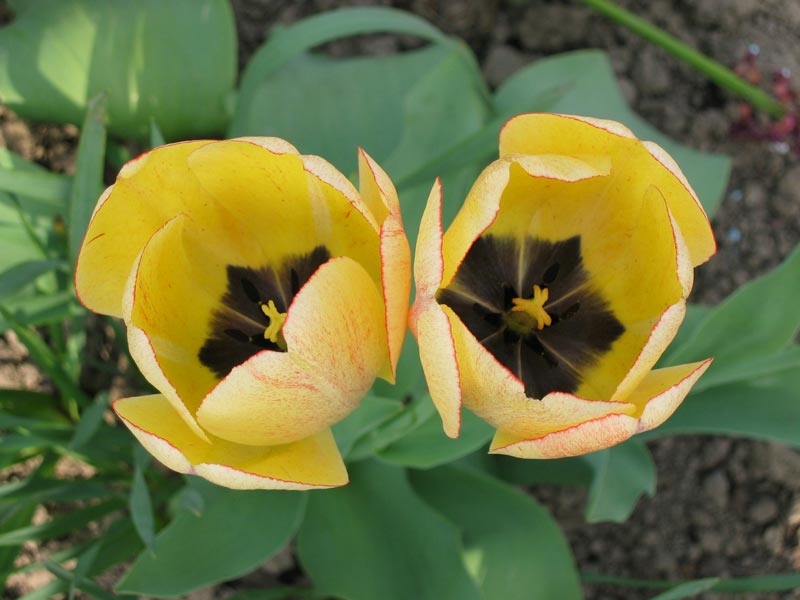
(336, 342)
(149, 191)
(656, 398)
(313, 462)
(379, 193)
(637, 164)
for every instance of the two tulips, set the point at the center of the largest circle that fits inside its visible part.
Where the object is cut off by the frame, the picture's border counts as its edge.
(263, 294)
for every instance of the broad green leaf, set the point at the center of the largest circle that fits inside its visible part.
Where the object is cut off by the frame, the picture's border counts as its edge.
(558, 471)
(375, 538)
(278, 593)
(372, 412)
(363, 104)
(748, 370)
(743, 328)
(237, 531)
(286, 44)
(427, 446)
(512, 546)
(583, 83)
(695, 314)
(88, 181)
(42, 185)
(174, 62)
(768, 409)
(621, 475)
(413, 415)
(688, 589)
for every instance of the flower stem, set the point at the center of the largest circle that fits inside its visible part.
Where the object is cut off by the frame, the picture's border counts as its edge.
(716, 72)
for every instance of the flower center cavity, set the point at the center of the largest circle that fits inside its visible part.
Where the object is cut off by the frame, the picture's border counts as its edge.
(251, 312)
(531, 303)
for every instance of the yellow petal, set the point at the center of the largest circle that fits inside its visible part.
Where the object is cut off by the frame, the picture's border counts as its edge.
(428, 322)
(149, 191)
(640, 266)
(269, 193)
(440, 365)
(313, 462)
(654, 401)
(174, 289)
(336, 342)
(640, 166)
(493, 393)
(379, 193)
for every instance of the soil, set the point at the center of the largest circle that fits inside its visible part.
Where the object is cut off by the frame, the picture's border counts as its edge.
(723, 507)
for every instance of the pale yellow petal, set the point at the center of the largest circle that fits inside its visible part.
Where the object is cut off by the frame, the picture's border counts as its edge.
(313, 462)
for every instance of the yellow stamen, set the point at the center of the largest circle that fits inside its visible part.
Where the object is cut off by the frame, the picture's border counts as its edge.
(276, 318)
(535, 307)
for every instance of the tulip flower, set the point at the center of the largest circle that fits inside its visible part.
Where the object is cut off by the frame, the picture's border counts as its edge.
(546, 304)
(262, 295)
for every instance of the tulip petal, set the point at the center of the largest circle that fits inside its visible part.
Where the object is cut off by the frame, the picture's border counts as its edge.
(493, 393)
(149, 190)
(577, 136)
(643, 271)
(313, 462)
(336, 344)
(429, 324)
(656, 398)
(173, 290)
(378, 192)
(269, 192)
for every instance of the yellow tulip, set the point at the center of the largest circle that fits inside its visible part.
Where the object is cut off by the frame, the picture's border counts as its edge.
(262, 294)
(561, 281)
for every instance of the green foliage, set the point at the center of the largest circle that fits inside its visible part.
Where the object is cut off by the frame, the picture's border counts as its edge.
(173, 62)
(401, 547)
(411, 524)
(233, 533)
(512, 546)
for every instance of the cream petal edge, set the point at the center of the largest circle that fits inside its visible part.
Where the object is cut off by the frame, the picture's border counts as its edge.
(606, 431)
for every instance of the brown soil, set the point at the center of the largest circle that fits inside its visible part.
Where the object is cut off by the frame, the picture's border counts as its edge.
(723, 507)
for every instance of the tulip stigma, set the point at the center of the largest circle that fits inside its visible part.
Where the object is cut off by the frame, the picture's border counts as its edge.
(276, 318)
(533, 307)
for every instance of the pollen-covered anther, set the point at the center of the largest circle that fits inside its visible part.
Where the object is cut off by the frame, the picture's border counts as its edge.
(273, 332)
(535, 307)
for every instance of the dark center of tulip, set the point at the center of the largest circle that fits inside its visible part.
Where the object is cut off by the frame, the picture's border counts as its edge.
(252, 310)
(531, 304)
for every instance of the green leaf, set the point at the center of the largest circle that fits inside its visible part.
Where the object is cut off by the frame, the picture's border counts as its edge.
(412, 416)
(19, 517)
(69, 522)
(237, 531)
(512, 545)
(154, 59)
(277, 593)
(427, 446)
(372, 412)
(24, 274)
(46, 359)
(688, 589)
(741, 328)
(621, 475)
(558, 471)
(739, 585)
(767, 409)
(748, 370)
(43, 185)
(90, 421)
(38, 310)
(88, 181)
(583, 83)
(375, 538)
(141, 508)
